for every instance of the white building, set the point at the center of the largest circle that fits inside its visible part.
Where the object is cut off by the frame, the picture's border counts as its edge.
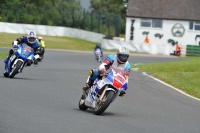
(178, 20)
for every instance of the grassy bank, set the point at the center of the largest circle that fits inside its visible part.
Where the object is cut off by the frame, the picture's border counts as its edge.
(52, 42)
(184, 75)
(3, 54)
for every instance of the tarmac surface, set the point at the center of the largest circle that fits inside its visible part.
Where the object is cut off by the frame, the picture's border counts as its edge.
(44, 99)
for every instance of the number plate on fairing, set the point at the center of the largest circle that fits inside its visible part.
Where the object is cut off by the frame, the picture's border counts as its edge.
(101, 83)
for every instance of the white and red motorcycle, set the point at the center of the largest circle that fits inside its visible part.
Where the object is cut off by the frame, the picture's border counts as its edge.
(103, 92)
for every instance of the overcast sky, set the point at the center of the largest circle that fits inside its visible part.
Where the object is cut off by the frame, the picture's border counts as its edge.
(85, 3)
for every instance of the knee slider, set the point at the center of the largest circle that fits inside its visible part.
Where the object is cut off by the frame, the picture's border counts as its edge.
(90, 73)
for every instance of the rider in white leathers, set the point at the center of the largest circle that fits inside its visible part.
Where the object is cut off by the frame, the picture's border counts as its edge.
(118, 61)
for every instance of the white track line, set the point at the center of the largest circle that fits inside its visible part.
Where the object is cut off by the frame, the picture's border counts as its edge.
(171, 86)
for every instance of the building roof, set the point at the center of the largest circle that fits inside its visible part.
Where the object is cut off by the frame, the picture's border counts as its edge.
(165, 9)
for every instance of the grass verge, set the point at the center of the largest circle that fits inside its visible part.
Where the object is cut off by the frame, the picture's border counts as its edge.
(3, 54)
(52, 42)
(184, 75)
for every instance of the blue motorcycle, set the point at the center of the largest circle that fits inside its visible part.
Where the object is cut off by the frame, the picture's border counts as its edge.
(23, 56)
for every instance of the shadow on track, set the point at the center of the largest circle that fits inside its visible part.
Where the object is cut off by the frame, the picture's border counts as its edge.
(88, 111)
(17, 78)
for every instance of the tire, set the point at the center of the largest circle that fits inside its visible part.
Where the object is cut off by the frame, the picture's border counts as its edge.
(102, 106)
(81, 103)
(15, 69)
(5, 74)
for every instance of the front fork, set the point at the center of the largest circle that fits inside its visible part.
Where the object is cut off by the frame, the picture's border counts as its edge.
(104, 92)
(22, 66)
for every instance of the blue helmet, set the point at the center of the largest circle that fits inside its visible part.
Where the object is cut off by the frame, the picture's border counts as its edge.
(122, 55)
(31, 37)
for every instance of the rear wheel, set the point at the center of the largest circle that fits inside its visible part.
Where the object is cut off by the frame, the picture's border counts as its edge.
(104, 103)
(81, 103)
(16, 68)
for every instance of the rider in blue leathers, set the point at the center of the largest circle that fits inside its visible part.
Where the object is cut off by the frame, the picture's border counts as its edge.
(118, 61)
(30, 39)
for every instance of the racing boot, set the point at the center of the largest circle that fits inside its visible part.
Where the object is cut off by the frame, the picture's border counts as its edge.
(6, 60)
(35, 62)
(9, 55)
(87, 86)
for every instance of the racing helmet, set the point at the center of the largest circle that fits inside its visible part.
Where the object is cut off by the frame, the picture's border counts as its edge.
(98, 45)
(40, 38)
(31, 37)
(122, 55)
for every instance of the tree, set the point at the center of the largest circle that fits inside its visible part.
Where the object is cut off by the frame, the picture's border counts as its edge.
(112, 6)
(51, 12)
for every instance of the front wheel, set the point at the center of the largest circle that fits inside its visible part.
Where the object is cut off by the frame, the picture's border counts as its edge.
(5, 74)
(16, 68)
(104, 103)
(81, 103)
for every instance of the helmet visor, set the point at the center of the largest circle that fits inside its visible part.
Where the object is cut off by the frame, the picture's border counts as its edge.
(31, 39)
(123, 58)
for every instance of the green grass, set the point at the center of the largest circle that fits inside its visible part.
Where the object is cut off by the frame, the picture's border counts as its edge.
(52, 42)
(184, 75)
(3, 54)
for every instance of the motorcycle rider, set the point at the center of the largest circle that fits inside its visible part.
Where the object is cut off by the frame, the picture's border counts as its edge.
(98, 46)
(118, 61)
(30, 40)
(42, 47)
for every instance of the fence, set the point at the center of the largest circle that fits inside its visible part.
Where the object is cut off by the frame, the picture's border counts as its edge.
(192, 50)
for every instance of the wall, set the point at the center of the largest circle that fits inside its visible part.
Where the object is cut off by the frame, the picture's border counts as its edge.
(51, 31)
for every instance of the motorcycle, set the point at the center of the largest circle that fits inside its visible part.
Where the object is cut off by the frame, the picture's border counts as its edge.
(103, 91)
(23, 56)
(98, 55)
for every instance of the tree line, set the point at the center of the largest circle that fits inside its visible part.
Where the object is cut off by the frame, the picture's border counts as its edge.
(69, 13)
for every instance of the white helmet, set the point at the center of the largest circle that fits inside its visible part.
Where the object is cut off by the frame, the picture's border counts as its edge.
(31, 37)
(122, 55)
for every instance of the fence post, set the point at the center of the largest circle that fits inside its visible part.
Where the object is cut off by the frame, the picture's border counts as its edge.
(99, 21)
(91, 19)
(83, 22)
(109, 24)
(117, 31)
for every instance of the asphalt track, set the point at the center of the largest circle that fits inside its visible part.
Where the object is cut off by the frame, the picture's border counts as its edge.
(44, 99)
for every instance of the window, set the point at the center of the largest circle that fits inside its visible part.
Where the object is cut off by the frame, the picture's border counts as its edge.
(154, 23)
(194, 26)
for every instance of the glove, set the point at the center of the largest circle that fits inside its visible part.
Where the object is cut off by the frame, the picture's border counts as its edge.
(122, 93)
(102, 71)
(15, 43)
(15, 47)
